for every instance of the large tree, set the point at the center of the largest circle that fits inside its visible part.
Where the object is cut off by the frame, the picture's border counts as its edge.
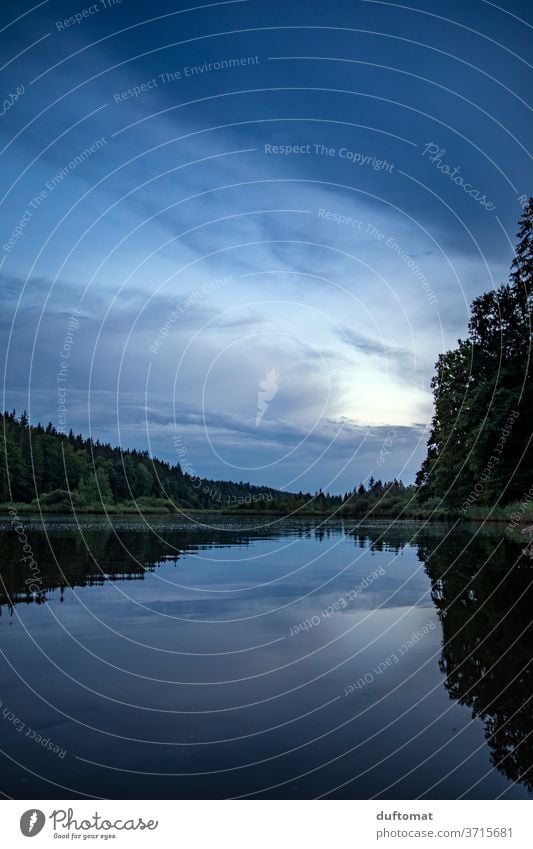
(477, 386)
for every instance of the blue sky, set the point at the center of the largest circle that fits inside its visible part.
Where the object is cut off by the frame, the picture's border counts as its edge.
(298, 196)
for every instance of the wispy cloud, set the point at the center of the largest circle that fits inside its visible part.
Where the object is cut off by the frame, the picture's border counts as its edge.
(397, 358)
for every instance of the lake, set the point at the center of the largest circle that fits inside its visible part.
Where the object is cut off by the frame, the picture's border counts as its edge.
(238, 657)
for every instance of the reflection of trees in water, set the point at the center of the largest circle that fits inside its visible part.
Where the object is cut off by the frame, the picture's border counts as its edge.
(484, 595)
(90, 557)
(101, 557)
(481, 586)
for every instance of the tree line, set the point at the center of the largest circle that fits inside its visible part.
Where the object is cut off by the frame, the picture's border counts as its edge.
(55, 471)
(49, 470)
(480, 445)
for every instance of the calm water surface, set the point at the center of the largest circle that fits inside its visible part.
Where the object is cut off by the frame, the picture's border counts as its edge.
(294, 660)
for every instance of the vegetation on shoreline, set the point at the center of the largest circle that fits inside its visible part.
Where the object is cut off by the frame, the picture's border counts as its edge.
(51, 472)
(54, 472)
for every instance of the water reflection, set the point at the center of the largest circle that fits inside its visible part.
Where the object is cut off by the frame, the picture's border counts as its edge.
(482, 587)
(177, 576)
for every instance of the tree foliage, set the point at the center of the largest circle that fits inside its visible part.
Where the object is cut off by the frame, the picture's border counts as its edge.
(477, 387)
(55, 471)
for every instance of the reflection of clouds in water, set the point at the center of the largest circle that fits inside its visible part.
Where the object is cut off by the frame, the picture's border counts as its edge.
(198, 617)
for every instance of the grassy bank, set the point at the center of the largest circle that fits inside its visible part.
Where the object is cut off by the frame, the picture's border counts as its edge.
(514, 514)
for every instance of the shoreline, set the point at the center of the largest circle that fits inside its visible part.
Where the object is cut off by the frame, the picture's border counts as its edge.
(446, 517)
